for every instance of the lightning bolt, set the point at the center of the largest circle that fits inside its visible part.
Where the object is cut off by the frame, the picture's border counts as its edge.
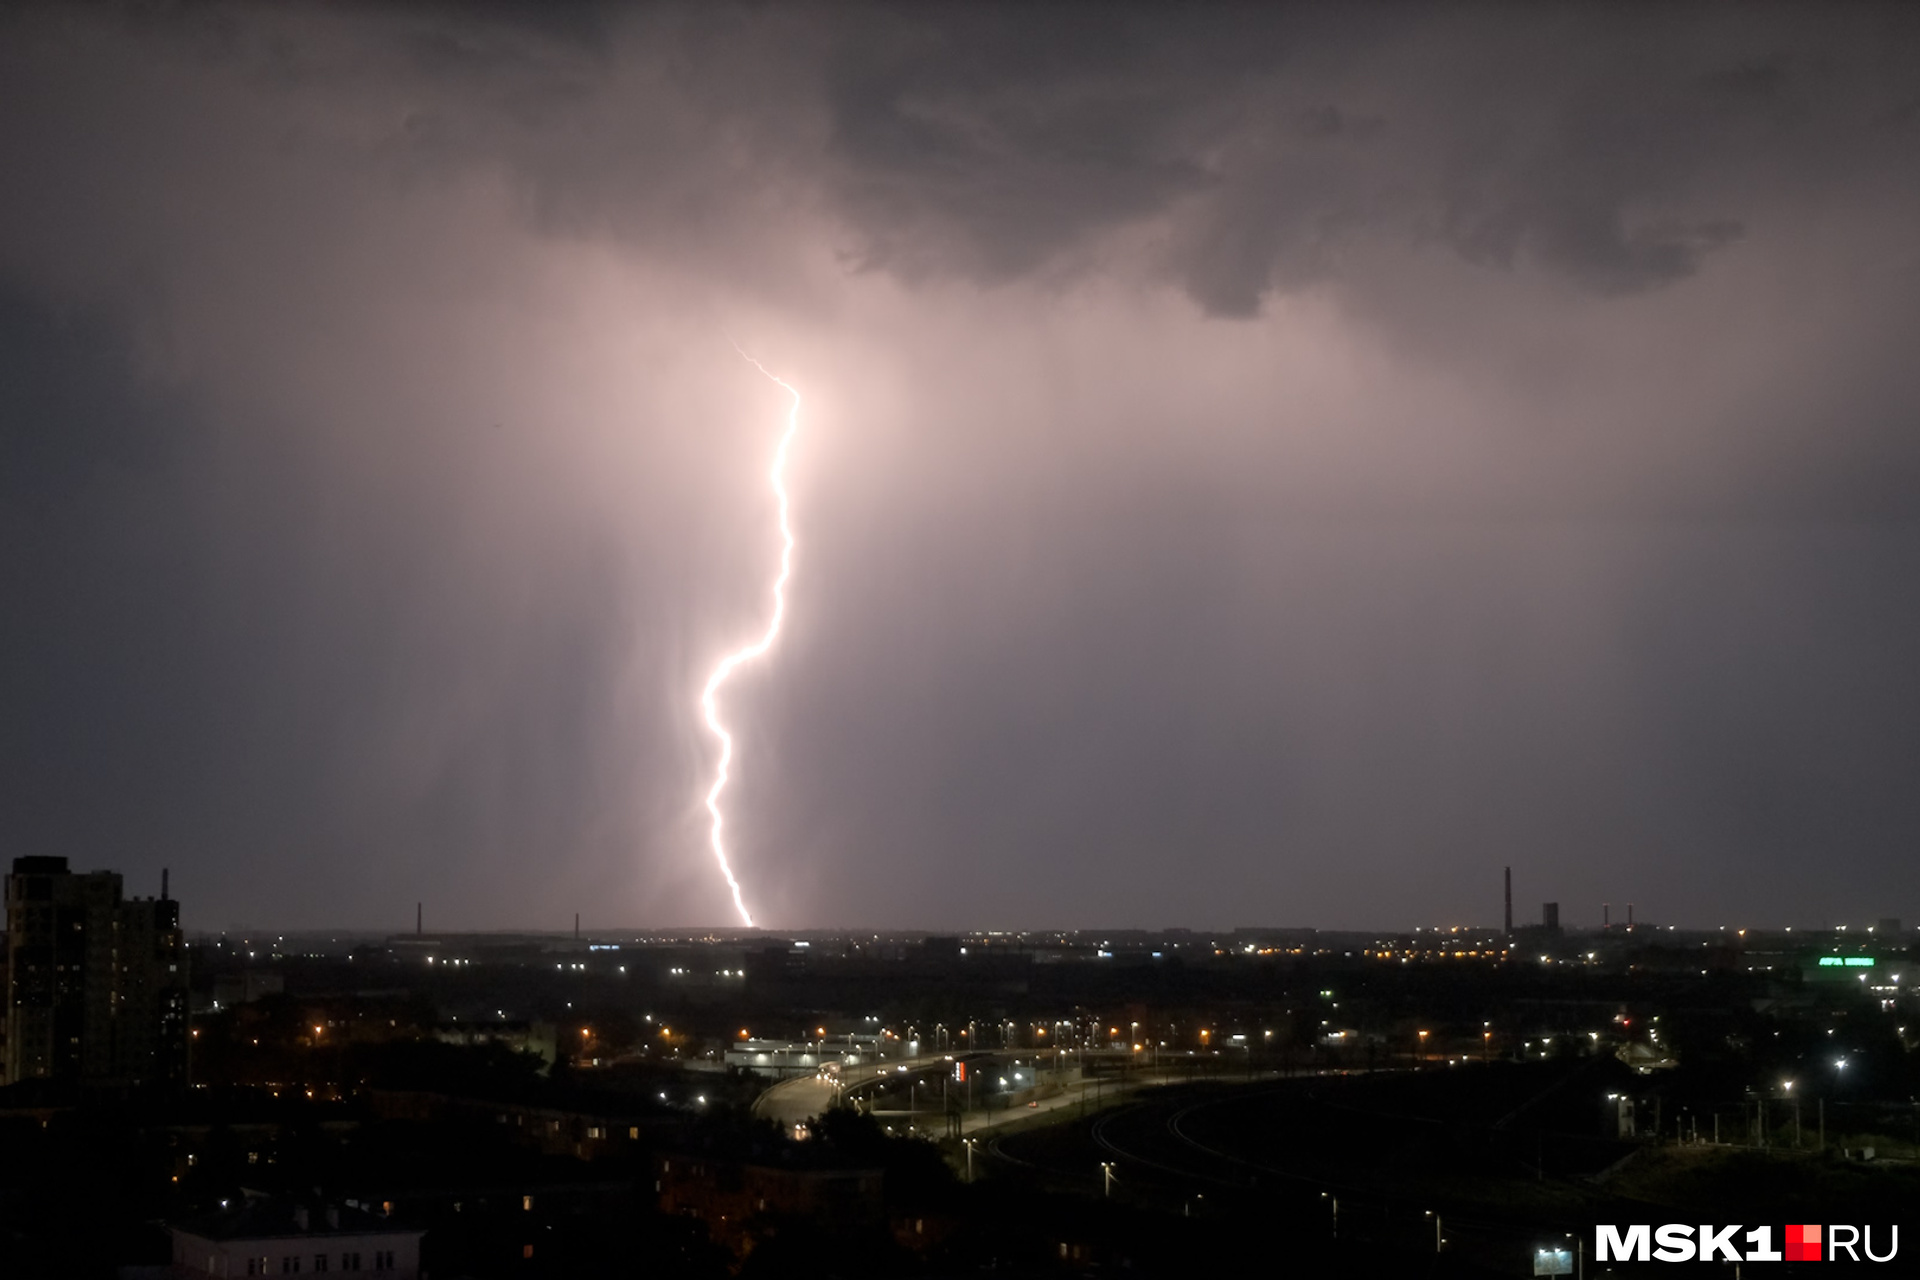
(709, 696)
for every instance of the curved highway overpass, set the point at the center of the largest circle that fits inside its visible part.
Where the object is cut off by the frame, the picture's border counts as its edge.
(794, 1101)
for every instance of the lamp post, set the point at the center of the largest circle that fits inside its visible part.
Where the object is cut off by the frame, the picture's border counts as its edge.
(968, 1144)
(1438, 1238)
(1106, 1174)
(1335, 1200)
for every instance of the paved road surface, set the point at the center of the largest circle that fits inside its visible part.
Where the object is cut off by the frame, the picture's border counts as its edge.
(798, 1099)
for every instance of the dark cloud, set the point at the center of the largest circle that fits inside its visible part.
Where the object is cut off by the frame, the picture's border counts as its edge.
(73, 413)
(220, 657)
(1613, 149)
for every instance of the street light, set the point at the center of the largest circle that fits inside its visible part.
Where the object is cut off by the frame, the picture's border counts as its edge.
(1335, 1200)
(1438, 1239)
(1106, 1171)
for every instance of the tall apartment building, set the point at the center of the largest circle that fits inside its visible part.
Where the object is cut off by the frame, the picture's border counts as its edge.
(95, 984)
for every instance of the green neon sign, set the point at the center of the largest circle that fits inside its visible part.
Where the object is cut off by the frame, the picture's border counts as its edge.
(1849, 962)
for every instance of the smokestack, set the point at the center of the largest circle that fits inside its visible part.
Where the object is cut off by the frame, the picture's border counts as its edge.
(416, 918)
(1509, 901)
(1629, 917)
(576, 926)
(1606, 915)
(163, 884)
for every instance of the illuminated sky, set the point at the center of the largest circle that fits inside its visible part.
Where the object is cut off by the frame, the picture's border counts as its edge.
(1259, 469)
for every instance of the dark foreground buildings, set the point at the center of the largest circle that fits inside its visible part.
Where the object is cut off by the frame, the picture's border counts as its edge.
(705, 1105)
(95, 984)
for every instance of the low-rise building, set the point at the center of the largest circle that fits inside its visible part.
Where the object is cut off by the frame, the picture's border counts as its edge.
(261, 1236)
(734, 1198)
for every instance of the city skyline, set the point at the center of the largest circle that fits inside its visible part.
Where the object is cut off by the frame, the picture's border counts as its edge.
(1273, 466)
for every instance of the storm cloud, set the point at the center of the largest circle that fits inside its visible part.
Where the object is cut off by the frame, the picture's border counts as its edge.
(1261, 466)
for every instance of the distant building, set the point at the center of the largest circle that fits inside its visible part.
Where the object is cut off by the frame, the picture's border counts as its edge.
(1550, 916)
(96, 985)
(247, 986)
(780, 1059)
(541, 1039)
(734, 1198)
(260, 1237)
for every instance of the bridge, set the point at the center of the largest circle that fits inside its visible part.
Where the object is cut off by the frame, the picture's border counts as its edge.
(794, 1101)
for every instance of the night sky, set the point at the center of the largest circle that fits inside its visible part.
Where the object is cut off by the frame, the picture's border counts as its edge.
(1257, 467)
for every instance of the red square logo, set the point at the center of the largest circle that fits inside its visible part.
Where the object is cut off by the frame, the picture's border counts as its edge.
(1803, 1244)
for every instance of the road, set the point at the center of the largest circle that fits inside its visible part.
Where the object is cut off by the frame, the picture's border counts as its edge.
(1098, 1093)
(793, 1101)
